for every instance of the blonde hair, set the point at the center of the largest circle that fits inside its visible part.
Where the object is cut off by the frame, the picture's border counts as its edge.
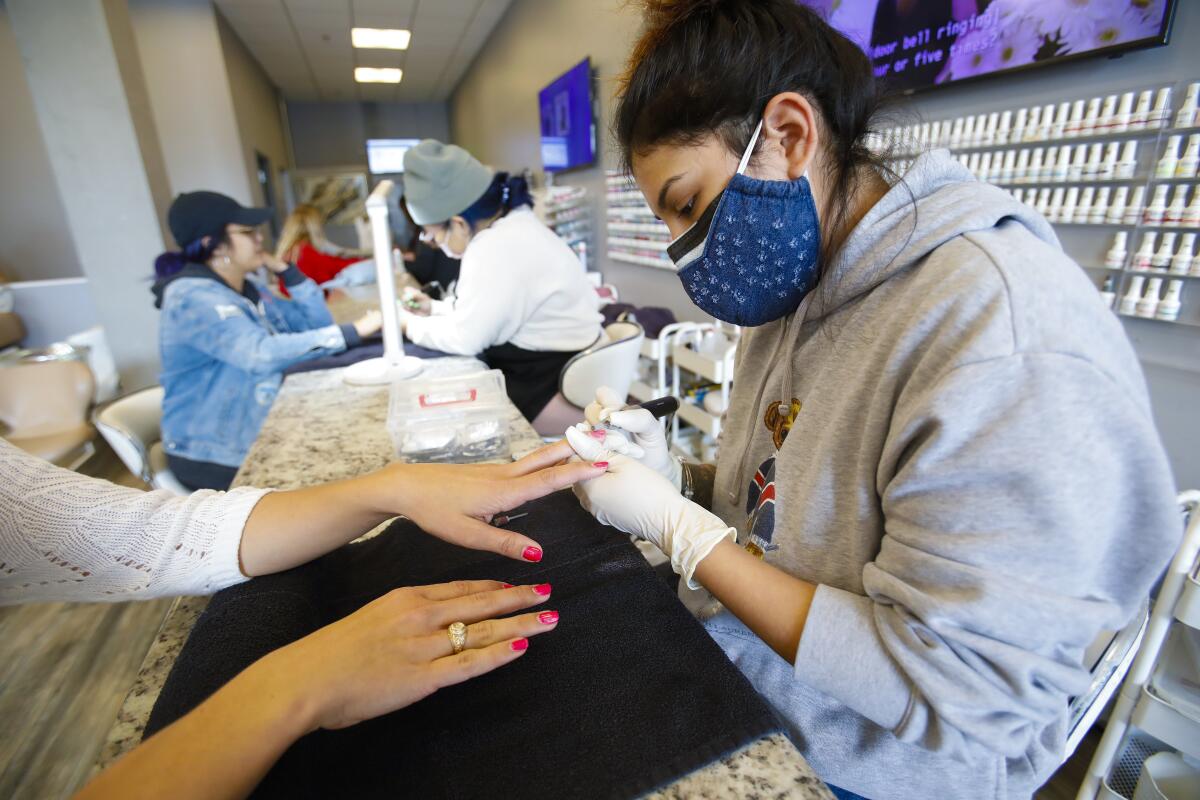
(305, 223)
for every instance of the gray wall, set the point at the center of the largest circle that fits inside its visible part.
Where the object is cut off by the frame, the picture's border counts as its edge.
(494, 114)
(494, 111)
(335, 134)
(34, 242)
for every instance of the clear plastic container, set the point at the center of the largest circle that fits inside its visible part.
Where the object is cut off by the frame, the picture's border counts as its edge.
(458, 419)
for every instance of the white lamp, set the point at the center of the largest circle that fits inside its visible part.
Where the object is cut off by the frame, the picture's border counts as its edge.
(394, 365)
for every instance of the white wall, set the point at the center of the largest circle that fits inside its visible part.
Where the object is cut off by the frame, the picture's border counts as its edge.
(335, 134)
(34, 243)
(185, 74)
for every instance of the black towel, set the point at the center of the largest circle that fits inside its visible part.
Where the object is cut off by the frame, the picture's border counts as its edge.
(360, 353)
(628, 693)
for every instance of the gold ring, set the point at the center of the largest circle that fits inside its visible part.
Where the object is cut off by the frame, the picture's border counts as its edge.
(458, 636)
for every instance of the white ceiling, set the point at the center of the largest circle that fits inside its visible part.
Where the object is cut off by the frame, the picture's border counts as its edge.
(304, 45)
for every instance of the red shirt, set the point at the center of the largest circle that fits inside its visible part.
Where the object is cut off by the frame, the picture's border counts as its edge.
(317, 265)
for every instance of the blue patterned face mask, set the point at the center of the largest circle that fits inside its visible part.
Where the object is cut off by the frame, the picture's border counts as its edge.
(752, 256)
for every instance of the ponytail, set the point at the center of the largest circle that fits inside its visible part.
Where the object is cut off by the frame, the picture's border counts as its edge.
(197, 252)
(505, 193)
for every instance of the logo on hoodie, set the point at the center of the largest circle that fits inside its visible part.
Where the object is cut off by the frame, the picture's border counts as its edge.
(760, 505)
(779, 419)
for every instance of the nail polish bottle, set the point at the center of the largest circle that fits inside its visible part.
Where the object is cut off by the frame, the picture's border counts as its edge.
(1033, 128)
(1145, 254)
(985, 167)
(1137, 205)
(1063, 168)
(1115, 257)
(1124, 113)
(1034, 173)
(935, 134)
(1043, 203)
(1141, 117)
(1108, 294)
(1182, 260)
(1191, 158)
(1186, 117)
(1049, 165)
(1095, 165)
(1128, 163)
(926, 136)
(1018, 195)
(1170, 158)
(1168, 307)
(1177, 207)
(1191, 215)
(1075, 121)
(1157, 208)
(1144, 257)
(1091, 120)
(1108, 114)
(968, 132)
(1056, 202)
(1164, 253)
(956, 133)
(1021, 169)
(1132, 295)
(980, 129)
(1161, 115)
(1003, 127)
(1149, 302)
(1008, 171)
(1108, 168)
(1061, 118)
(1075, 171)
(1100, 207)
(1067, 214)
(1116, 211)
(973, 164)
(1083, 211)
(1017, 134)
(1194, 269)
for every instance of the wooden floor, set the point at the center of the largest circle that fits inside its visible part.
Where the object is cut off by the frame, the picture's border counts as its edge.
(64, 671)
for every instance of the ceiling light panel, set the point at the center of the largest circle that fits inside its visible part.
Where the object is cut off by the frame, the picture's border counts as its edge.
(377, 74)
(380, 38)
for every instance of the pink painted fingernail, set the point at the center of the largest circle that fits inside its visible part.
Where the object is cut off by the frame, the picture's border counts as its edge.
(600, 464)
(548, 617)
(598, 434)
(507, 585)
(542, 588)
(532, 553)
(519, 644)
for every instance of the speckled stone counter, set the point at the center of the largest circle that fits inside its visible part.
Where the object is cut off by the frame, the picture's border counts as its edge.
(321, 429)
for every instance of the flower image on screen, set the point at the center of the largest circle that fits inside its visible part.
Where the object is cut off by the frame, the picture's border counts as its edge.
(915, 44)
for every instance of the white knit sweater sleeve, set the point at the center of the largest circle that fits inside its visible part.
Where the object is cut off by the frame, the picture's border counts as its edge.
(64, 536)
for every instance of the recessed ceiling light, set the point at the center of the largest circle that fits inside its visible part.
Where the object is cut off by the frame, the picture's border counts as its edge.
(377, 75)
(380, 38)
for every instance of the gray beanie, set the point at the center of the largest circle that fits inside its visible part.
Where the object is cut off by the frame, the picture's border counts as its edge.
(441, 180)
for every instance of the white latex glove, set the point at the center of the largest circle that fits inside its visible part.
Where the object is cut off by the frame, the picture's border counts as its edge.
(635, 499)
(647, 432)
(598, 444)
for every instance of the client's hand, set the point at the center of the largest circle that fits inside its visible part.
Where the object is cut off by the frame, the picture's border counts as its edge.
(274, 264)
(396, 650)
(455, 502)
(416, 302)
(368, 324)
(647, 432)
(635, 499)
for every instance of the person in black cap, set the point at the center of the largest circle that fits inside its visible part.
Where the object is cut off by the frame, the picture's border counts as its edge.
(225, 339)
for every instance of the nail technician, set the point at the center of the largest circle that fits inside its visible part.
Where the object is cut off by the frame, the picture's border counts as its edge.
(523, 304)
(939, 476)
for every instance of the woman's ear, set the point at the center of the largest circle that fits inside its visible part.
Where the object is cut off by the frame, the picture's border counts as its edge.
(790, 128)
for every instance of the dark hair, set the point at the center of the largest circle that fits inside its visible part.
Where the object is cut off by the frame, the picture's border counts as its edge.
(503, 194)
(706, 67)
(197, 252)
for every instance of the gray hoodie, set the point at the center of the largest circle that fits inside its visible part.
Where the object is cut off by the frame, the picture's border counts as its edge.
(953, 439)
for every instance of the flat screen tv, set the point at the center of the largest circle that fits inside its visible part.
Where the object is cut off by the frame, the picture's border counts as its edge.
(386, 156)
(920, 44)
(568, 126)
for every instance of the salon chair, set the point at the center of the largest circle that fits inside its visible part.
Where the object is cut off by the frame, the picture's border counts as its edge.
(132, 425)
(12, 330)
(610, 361)
(44, 400)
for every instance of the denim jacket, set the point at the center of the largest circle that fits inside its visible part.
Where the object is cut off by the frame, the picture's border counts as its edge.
(223, 356)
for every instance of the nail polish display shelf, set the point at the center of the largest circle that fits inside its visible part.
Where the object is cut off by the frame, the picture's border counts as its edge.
(1184, 322)
(1142, 134)
(1160, 273)
(1082, 182)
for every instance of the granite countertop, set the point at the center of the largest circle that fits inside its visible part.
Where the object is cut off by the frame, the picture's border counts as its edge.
(321, 429)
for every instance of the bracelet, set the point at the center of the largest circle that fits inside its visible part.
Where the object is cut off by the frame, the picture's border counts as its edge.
(688, 488)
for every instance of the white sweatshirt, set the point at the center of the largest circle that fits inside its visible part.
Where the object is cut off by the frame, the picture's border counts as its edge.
(519, 284)
(64, 536)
